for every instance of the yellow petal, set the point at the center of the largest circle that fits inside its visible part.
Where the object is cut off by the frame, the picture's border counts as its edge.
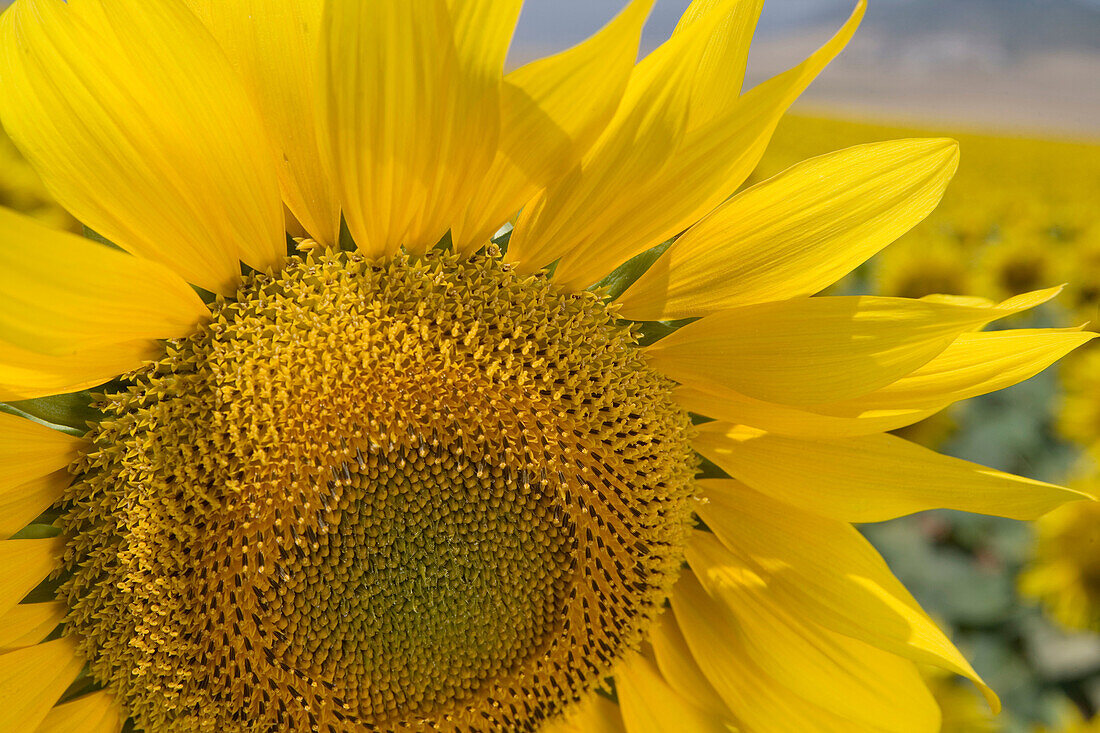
(814, 350)
(411, 112)
(649, 705)
(32, 679)
(21, 503)
(273, 44)
(649, 176)
(29, 623)
(679, 668)
(796, 233)
(551, 112)
(26, 375)
(29, 451)
(721, 70)
(138, 125)
(94, 713)
(649, 124)
(854, 681)
(828, 571)
(717, 643)
(597, 714)
(974, 364)
(63, 293)
(871, 478)
(23, 565)
(810, 422)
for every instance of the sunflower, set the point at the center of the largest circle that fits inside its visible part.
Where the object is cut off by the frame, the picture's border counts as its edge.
(1064, 572)
(1019, 261)
(1072, 722)
(412, 470)
(1079, 403)
(961, 708)
(930, 264)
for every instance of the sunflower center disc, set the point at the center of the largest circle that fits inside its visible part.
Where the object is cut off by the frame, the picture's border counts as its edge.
(409, 494)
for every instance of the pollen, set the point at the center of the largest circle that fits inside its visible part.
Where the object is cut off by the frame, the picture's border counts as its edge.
(414, 493)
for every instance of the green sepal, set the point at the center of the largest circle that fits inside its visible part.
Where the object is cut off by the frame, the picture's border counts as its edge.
(37, 532)
(502, 237)
(70, 412)
(650, 332)
(97, 237)
(626, 274)
(346, 242)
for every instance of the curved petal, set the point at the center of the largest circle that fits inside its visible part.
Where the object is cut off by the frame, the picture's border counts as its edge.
(974, 364)
(871, 478)
(796, 233)
(29, 623)
(23, 565)
(597, 714)
(138, 125)
(435, 68)
(21, 503)
(650, 176)
(827, 570)
(25, 375)
(721, 69)
(94, 713)
(812, 350)
(551, 112)
(63, 293)
(804, 422)
(717, 643)
(29, 451)
(679, 668)
(32, 679)
(273, 44)
(649, 705)
(870, 688)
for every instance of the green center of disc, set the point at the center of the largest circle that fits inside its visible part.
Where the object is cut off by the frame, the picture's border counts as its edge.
(439, 575)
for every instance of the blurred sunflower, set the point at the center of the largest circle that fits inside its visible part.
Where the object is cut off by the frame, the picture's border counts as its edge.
(402, 477)
(1082, 261)
(962, 709)
(1079, 405)
(1073, 722)
(930, 264)
(1064, 573)
(1019, 262)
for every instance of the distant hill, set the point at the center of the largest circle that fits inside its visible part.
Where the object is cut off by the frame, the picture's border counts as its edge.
(1014, 26)
(1019, 26)
(1027, 65)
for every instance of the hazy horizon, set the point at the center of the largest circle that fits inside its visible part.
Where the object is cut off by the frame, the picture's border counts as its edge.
(1018, 64)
